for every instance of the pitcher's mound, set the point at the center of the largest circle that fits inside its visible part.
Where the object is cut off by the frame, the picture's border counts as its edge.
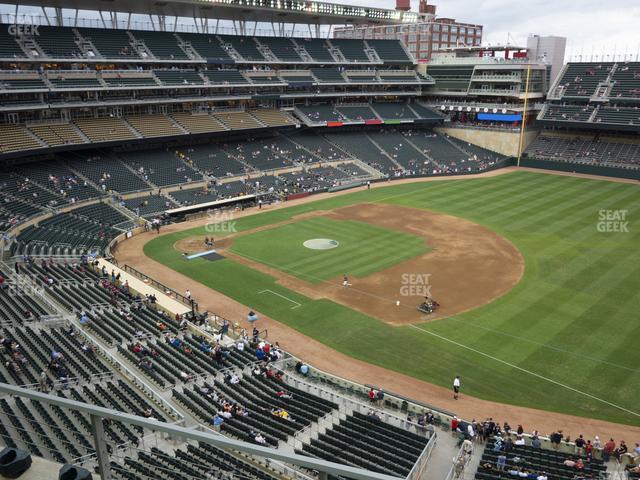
(321, 244)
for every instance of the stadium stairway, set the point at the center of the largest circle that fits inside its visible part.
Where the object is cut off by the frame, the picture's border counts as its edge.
(424, 154)
(379, 147)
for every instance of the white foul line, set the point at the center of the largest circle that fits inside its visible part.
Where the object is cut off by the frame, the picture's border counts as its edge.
(527, 371)
(282, 296)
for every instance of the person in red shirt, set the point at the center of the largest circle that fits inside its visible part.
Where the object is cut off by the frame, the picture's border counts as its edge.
(372, 395)
(608, 449)
(454, 425)
(588, 448)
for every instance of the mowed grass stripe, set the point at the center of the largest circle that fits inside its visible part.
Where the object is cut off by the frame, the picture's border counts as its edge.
(357, 236)
(358, 242)
(553, 222)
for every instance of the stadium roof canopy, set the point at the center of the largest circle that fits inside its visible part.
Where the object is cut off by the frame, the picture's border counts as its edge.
(275, 11)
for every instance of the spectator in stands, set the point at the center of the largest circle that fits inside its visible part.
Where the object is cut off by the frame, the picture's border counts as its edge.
(556, 438)
(282, 413)
(372, 396)
(373, 416)
(535, 442)
(502, 462)
(56, 356)
(224, 329)
(608, 449)
(621, 450)
(216, 421)
(148, 412)
(146, 364)
(284, 395)
(454, 425)
(182, 325)
(259, 439)
(569, 462)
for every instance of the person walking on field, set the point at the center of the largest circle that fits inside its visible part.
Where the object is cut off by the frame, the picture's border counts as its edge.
(345, 280)
(456, 387)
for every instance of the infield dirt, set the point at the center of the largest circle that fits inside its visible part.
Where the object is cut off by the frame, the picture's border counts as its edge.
(466, 267)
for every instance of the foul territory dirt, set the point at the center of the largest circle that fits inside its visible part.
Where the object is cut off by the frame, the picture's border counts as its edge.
(467, 265)
(329, 360)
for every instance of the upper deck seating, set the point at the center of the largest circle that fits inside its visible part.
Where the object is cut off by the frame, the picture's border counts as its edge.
(163, 45)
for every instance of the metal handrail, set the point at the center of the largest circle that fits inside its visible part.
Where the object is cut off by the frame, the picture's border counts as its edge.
(131, 375)
(137, 273)
(97, 413)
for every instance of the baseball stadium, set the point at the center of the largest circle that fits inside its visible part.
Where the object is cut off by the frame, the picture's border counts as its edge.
(303, 240)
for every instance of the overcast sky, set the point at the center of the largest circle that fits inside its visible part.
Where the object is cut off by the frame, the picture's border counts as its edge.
(591, 26)
(587, 24)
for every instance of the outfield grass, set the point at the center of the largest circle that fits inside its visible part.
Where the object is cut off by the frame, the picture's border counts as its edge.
(363, 248)
(564, 339)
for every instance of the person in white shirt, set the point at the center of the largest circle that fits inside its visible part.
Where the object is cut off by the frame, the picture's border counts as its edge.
(456, 387)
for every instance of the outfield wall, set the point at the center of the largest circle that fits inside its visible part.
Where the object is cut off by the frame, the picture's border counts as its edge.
(506, 142)
(580, 168)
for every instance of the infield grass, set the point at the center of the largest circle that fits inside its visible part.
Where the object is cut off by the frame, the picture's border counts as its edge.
(564, 339)
(363, 248)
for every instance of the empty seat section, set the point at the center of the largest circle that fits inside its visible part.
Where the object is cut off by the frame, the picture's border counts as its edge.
(110, 174)
(207, 46)
(110, 43)
(318, 49)
(9, 47)
(104, 129)
(272, 117)
(245, 46)
(162, 45)
(128, 80)
(393, 111)
(213, 160)
(18, 83)
(352, 50)
(58, 42)
(390, 51)
(14, 138)
(237, 120)
(154, 125)
(357, 112)
(55, 134)
(321, 113)
(282, 48)
(161, 167)
(198, 122)
(328, 75)
(179, 77)
(225, 77)
(74, 81)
